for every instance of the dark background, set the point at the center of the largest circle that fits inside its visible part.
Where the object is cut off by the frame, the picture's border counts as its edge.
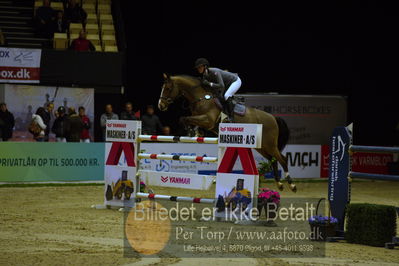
(290, 47)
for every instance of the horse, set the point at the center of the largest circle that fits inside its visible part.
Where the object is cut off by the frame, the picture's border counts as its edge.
(206, 114)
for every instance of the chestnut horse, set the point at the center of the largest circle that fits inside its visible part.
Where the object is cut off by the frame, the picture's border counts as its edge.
(206, 114)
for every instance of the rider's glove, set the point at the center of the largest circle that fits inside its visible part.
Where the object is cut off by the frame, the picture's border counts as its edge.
(206, 83)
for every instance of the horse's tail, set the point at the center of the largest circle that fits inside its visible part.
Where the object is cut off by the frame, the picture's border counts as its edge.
(284, 133)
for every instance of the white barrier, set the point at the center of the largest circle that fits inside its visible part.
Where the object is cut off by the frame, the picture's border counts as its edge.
(177, 180)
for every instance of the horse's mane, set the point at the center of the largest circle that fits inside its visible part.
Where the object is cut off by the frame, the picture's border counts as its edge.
(195, 80)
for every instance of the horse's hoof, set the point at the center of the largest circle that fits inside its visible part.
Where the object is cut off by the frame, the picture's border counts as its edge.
(292, 187)
(280, 186)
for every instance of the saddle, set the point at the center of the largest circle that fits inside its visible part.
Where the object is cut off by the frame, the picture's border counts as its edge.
(239, 107)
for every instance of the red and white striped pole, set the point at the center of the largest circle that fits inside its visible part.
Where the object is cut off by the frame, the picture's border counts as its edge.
(174, 198)
(178, 139)
(153, 156)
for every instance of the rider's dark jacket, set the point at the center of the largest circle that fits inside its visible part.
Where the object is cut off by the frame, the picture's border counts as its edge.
(220, 79)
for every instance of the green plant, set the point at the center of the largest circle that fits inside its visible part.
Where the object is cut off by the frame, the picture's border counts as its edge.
(266, 166)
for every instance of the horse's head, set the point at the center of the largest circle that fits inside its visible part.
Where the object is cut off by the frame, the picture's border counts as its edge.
(169, 93)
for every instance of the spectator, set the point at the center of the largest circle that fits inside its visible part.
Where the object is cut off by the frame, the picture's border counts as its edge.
(7, 122)
(108, 115)
(82, 44)
(38, 119)
(166, 131)
(47, 117)
(128, 114)
(76, 126)
(3, 41)
(85, 136)
(150, 122)
(61, 126)
(44, 20)
(74, 13)
(60, 25)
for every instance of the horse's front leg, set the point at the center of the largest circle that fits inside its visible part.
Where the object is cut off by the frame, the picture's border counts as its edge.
(202, 121)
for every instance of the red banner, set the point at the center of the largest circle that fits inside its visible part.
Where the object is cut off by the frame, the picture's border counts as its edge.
(19, 73)
(19, 65)
(364, 162)
(375, 163)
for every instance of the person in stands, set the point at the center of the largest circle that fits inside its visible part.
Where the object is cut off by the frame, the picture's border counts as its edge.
(38, 119)
(74, 13)
(3, 40)
(128, 114)
(108, 115)
(82, 44)
(166, 131)
(61, 125)
(60, 25)
(47, 118)
(7, 122)
(85, 136)
(150, 122)
(76, 126)
(44, 20)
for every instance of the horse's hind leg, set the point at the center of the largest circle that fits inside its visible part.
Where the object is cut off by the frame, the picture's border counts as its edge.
(283, 162)
(275, 169)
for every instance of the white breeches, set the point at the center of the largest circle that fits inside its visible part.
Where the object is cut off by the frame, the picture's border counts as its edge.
(233, 88)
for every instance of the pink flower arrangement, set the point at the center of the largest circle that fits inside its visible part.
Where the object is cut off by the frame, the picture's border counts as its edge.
(269, 195)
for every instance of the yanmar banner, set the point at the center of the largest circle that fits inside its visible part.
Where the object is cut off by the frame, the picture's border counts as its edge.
(19, 65)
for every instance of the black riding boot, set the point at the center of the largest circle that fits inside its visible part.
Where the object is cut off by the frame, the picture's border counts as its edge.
(229, 109)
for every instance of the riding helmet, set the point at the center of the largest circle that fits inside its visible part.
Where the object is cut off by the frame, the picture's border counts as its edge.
(201, 61)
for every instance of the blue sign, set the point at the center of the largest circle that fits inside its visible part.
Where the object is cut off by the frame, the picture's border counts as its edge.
(338, 184)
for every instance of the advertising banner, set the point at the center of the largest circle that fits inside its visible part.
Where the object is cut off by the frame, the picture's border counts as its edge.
(363, 162)
(304, 161)
(120, 186)
(176, 180)
(237, 192)
(338, 181)
(310, 118)
(189, 149)
(240, 135)
(376, 163)
(23, 101)
(121, 130)
(120, 163)
(32, 162)
(20, 65)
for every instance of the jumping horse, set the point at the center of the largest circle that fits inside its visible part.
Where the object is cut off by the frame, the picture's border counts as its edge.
(205, 113)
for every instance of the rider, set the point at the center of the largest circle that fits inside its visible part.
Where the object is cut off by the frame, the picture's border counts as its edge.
(219, 80)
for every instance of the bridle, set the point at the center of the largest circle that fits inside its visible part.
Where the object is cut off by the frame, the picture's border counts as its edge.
(170, 100)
